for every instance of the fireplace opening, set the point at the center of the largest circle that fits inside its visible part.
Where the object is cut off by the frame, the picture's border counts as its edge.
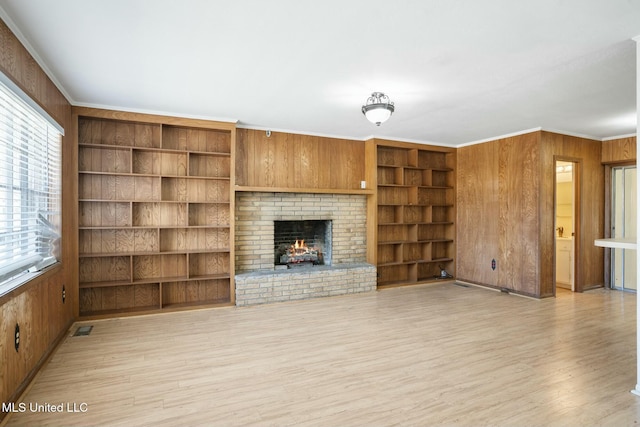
(302, 243)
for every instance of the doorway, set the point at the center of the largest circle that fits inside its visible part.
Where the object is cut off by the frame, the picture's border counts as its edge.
(623, 226)
(565, 224)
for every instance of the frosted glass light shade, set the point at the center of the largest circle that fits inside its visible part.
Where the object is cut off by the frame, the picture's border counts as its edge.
(378, 108)
(378, 114)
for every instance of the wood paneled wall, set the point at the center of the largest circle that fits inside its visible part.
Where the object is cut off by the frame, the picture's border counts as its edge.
(292, 161)
(498, 217)
(505, 205)
(587, 153)
(37, 306)
(518, 174)
(619, 150)
(477, 201)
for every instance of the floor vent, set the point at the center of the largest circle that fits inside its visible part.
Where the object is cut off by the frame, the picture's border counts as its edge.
(83, 330)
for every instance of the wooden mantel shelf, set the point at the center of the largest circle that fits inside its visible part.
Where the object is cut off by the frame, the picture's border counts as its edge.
(304, 190)
(616, 243)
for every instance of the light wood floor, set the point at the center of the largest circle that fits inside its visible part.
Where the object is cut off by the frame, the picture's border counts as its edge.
(423, 355)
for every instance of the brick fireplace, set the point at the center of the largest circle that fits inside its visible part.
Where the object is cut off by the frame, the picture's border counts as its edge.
(259, 281)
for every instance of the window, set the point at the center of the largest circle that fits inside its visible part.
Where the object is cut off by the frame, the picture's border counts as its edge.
(30, 214)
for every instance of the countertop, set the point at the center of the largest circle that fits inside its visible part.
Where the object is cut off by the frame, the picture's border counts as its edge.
(627, 243)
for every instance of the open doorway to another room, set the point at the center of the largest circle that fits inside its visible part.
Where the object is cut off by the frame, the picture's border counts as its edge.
(565, 225)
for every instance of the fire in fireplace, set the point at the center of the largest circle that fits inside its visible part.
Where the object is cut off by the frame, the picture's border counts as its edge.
(302, 243)
(299, 253)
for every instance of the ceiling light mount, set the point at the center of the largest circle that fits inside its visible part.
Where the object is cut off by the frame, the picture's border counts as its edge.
(378, 108)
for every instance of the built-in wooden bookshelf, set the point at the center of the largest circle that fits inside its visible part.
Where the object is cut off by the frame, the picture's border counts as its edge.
(155, 214)
(415, 212)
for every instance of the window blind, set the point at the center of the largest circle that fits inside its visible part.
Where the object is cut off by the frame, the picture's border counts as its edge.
(30, 188)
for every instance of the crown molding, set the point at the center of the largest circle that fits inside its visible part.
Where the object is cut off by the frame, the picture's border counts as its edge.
(297, 132)
(412, 141)
(493, 138)
(611, 138)
(567, 133)
(155, 112)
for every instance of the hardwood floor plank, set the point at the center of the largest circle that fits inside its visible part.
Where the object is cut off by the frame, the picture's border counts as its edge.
(434, 354)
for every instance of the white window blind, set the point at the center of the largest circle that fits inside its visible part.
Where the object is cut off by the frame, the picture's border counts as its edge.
(30, 190)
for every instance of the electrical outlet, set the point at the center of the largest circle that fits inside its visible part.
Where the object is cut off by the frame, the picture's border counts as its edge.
(17, 337)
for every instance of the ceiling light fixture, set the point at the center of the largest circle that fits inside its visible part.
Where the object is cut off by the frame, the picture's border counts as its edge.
(378, 108)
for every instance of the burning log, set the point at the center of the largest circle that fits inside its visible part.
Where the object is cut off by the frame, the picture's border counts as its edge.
(298, 253)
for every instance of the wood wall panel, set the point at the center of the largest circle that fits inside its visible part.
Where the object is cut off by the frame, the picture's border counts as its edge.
(37, 306)
(477, 213)
(619, 150)
(371, 174)
(20, 66)
(518, 213)
(286, 160)
(505, 203)
(530, 218)
(37, 312)
(547, 219)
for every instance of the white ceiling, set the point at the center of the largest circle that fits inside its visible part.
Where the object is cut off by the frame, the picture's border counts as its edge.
(459, 71)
